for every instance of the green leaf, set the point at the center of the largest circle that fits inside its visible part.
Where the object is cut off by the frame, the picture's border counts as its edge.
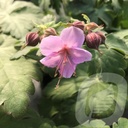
(18, 17)
(16, 79)
(123, 17)
(56, 5)
(46, 123)
(61, 110)
(93, 124)
(86, 18)
(117, 43)
(67, 88)
(47, 108)
(122, 123)
(26, 51)
(63, 126)
(60, 103)
(109, 61)
(104, 13)
(122, 34)
(99, 98)
(30, 120)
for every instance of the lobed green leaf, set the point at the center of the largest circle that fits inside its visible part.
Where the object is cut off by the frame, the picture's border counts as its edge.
(16, 79)
(14, 17)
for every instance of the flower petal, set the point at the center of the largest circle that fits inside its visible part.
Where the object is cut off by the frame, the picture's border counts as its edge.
(52, 60)
(72, 36)
(78, 55)
(67, 69)
(50, 44)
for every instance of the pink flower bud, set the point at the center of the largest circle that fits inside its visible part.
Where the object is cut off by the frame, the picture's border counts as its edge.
(102, 37)
(48, 32)
(91, 26)
(32, 39)
(93, 40)
(78, 24)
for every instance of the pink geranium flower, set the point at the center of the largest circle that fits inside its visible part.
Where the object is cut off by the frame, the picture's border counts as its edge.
(64, 52)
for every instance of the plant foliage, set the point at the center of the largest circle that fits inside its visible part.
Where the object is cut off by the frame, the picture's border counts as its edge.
(28, 97)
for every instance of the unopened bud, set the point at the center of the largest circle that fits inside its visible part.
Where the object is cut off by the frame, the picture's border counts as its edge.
(32, 39)
(48, 32)
(93, 40)
(78, 24)
(102, 37)
(91, 26)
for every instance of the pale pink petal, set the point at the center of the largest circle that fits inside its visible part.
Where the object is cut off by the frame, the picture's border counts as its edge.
(51, 44)
(72, 37)
(78, 55)
(52, 60)
(67, 69)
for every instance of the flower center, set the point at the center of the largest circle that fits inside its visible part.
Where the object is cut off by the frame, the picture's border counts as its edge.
(63, 61)
(64, 53)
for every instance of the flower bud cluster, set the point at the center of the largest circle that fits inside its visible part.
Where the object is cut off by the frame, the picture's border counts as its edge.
(58, 48)
(33, 38)
(93, 38)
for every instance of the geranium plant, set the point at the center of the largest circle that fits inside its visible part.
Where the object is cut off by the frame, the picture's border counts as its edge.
(63, 65)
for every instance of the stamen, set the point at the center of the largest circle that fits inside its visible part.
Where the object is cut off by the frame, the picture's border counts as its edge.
(58, 67)
(74, 74)
(64, 61)
(56, 72)
(57, 85)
